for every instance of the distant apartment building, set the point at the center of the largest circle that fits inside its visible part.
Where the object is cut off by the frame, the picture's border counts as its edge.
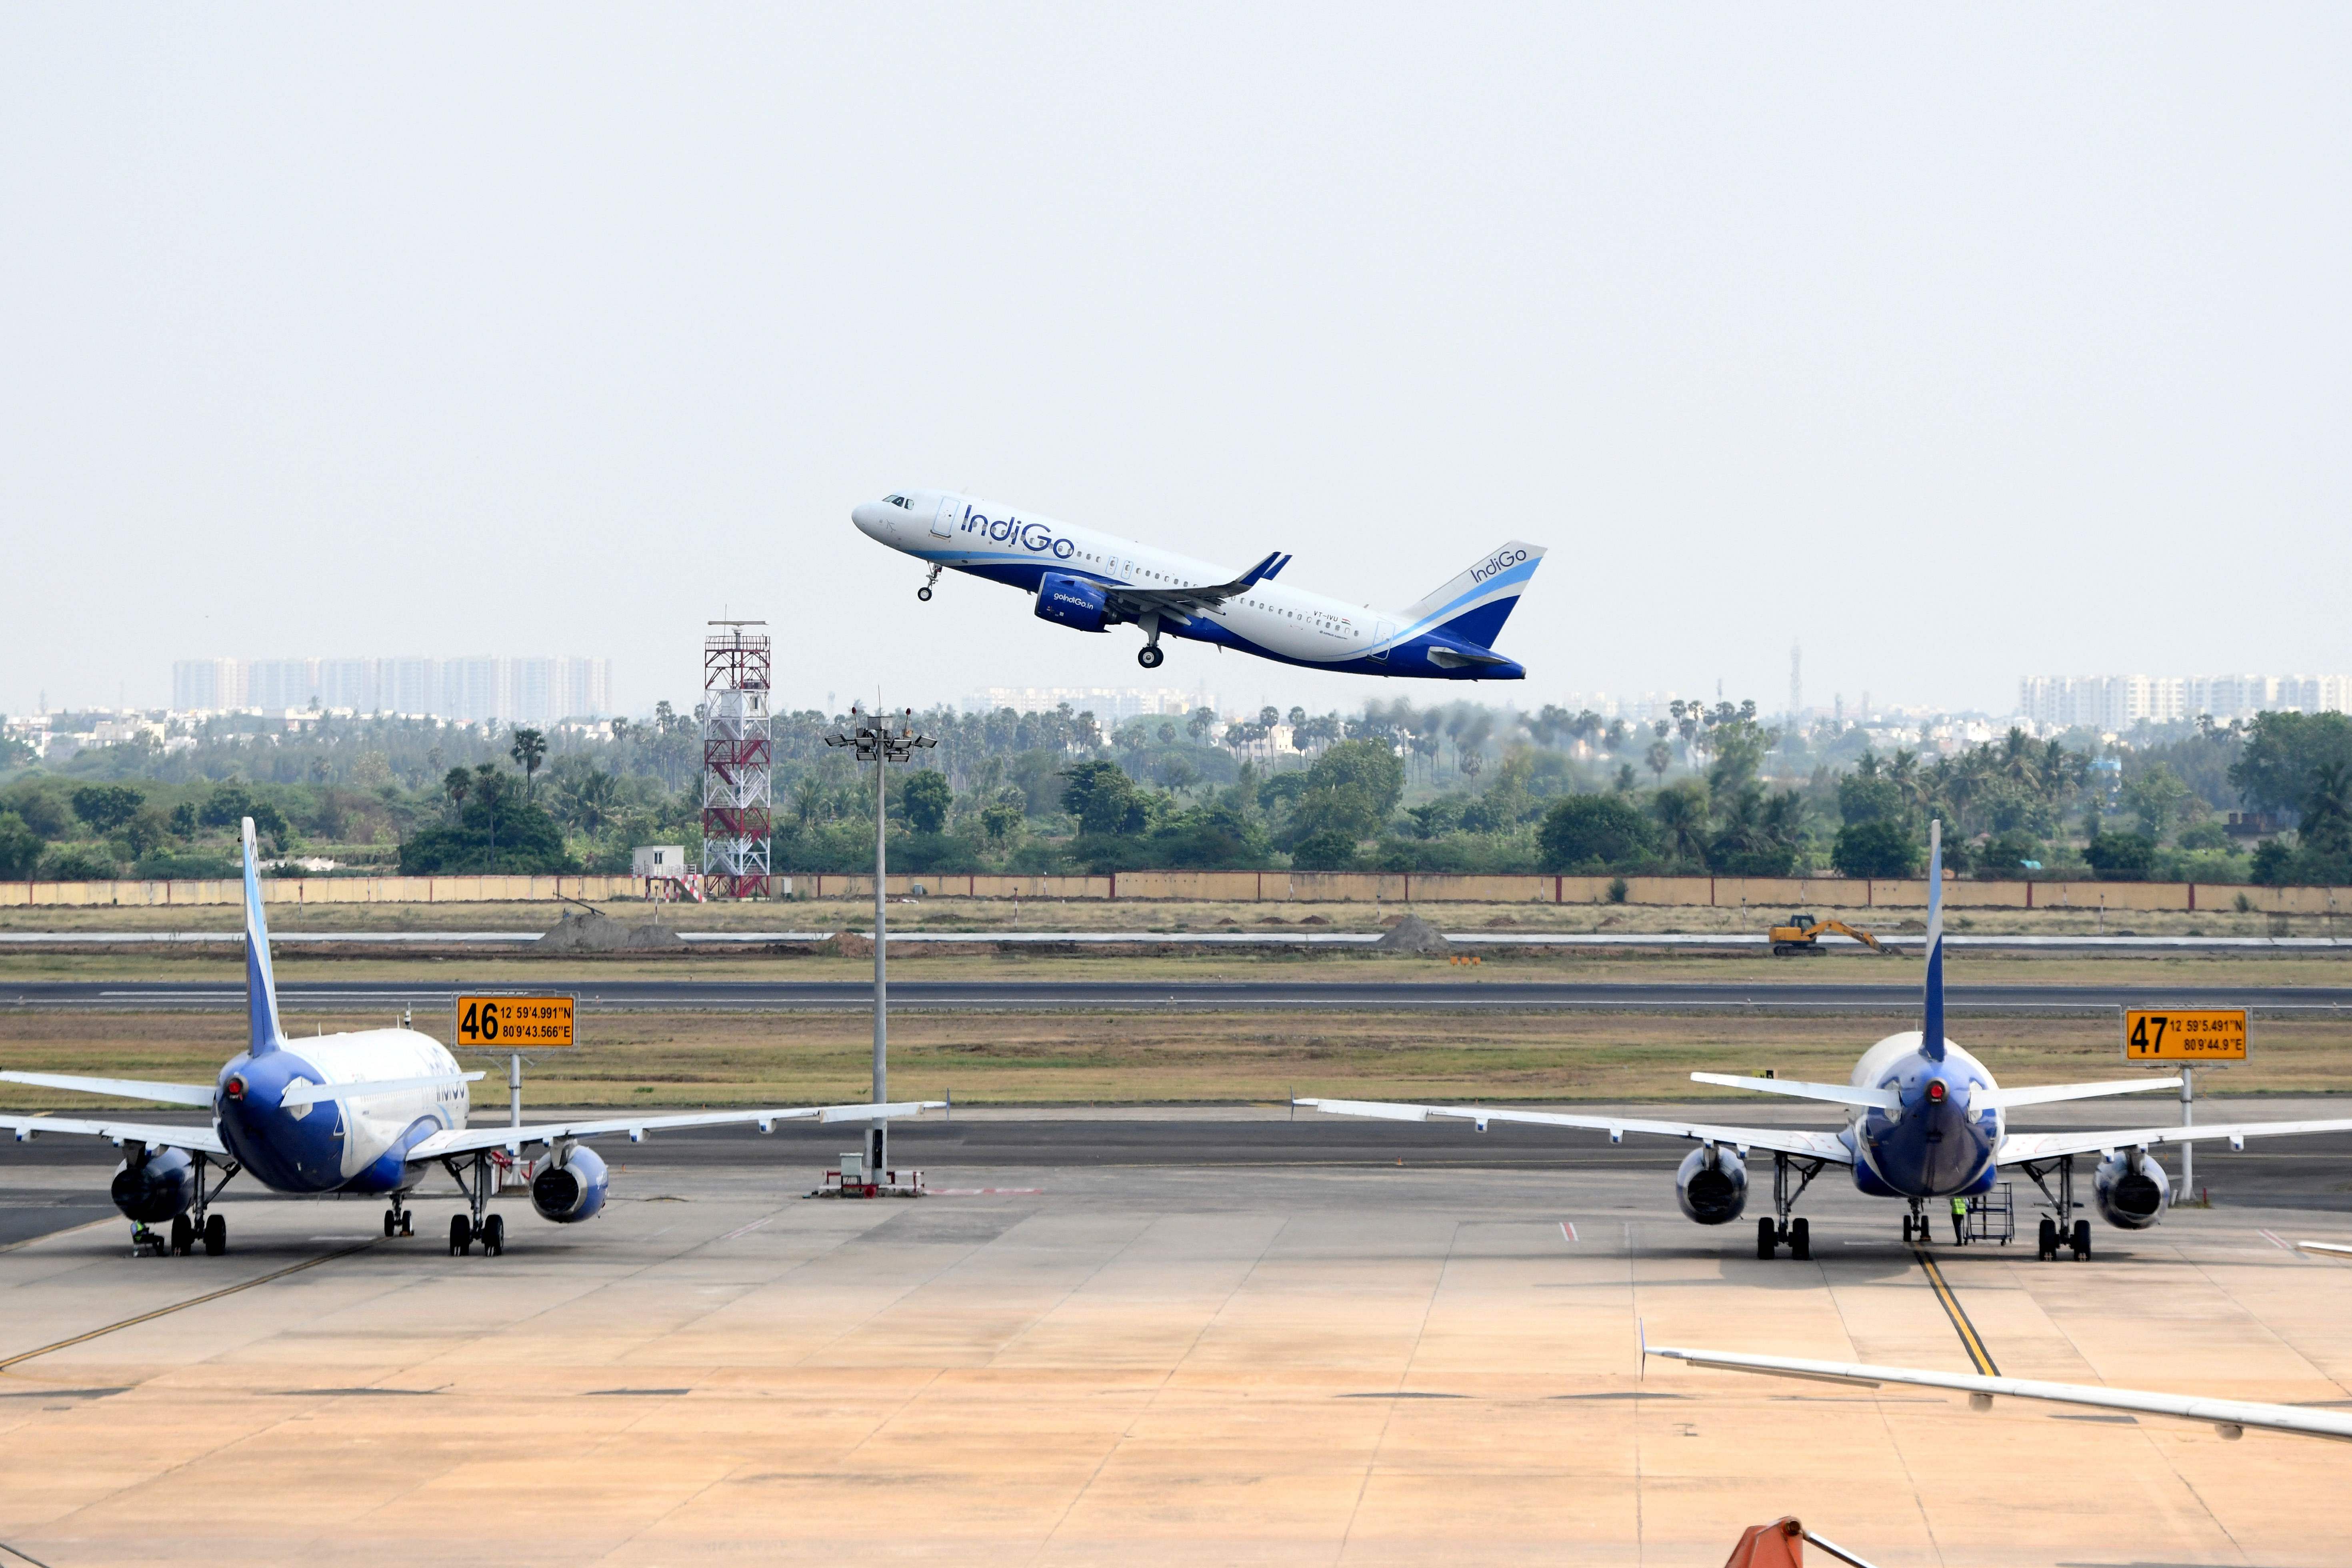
(1111, 705)
(536, 689)
(2116, 703)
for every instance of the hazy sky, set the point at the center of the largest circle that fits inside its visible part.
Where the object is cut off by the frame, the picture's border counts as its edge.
(1956, 344)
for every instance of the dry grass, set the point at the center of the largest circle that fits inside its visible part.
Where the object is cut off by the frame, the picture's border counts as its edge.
(689, 1059)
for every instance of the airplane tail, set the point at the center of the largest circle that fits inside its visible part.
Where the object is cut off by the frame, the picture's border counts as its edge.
(1473, 605)
(1931, 1027)
(260, 984)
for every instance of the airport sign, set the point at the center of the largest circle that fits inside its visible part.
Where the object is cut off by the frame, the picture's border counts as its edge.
(2185, 1034)
(514, 1023)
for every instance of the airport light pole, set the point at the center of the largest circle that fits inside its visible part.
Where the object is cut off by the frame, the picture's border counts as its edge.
(874, 742)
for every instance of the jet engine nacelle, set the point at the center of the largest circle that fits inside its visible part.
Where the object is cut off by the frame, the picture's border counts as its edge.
(159, 1186)
(1712, 1185)
(2131, 1189)
(572, 1187)
(1069, 601)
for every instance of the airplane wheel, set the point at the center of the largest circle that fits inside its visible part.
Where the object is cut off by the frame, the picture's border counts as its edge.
(183, 1235)
(1801, 1240)
(215, 1235)
(391, 1225)
(1149, 657)
(2045, 1240)
(407, 1223)
(494, 1236)
(461, 1236)
(1767, 1239)
(1906, 1229)
(2082, 1241)
(924, 595)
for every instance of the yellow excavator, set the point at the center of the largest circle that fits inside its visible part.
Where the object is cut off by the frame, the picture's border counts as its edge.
(1802, 933)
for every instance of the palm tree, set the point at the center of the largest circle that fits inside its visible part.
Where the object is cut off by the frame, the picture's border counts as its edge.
(1681, 812)
(529, 750)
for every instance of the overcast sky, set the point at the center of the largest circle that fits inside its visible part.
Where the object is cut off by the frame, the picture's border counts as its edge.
(1956, 344)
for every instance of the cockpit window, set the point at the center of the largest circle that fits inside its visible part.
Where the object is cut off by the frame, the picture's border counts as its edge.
(900, 501)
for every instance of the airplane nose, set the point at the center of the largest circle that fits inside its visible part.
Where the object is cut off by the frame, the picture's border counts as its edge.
(867, 516)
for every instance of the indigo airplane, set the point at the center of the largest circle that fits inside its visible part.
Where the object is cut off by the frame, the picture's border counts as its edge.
(369, 1112)
(1092, 582)
(1924, 1119)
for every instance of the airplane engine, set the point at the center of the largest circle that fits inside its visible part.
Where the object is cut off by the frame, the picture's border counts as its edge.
(1069, 601)
(572, 1187)
(155, 1187)
(2128, 1198)
(1712, 1185)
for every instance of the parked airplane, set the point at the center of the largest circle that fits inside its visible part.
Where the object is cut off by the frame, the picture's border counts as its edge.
(371, 1111)
(2229, 1417)
(1925, 1120)
(1093, 581)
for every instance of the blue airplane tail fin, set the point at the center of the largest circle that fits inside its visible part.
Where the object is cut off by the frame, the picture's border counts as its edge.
(1931, 1027)
(1474, 605)
(260, 984)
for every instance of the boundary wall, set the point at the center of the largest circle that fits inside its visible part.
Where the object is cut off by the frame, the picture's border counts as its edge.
(1758, 895)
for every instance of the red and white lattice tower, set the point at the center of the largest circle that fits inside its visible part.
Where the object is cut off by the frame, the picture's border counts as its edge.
(736, 817)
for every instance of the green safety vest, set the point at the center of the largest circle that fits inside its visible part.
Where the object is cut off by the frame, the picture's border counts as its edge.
(1959, 1206)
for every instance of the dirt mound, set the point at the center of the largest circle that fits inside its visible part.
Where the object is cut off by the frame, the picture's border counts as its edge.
(588, 931)
(1413, 934)
(846, 943)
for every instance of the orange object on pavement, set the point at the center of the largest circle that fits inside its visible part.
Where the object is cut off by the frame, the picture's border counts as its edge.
(1780, 1544)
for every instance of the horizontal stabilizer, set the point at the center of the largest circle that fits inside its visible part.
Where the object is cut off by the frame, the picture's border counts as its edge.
(2052, 1093)
(312, 1093)
(1833, 1093)
(126, 1088)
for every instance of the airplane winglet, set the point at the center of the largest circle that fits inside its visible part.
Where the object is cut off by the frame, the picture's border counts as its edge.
(1275, 562)
(260, 984)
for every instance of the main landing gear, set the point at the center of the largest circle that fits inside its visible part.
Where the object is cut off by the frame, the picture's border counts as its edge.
(465, 1230)
(210, 1228)
(2054, 1232)
(924, 593)
(1771, 1235)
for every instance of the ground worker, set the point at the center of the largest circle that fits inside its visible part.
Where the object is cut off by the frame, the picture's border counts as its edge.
(1959, 1222)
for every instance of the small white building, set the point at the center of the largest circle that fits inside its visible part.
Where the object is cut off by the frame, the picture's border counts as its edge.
(659, 860)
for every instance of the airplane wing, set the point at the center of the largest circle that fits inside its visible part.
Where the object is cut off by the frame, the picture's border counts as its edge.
(2229, 1417)
(197, 1140)
(1132, 601)
(1779, 1139)
(468, 1141)
(2019, 1146)
(127, 1088)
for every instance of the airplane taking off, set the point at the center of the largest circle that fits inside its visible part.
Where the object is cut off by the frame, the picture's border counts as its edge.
(371, 1111)
(1093, 581)
(1925, 1120)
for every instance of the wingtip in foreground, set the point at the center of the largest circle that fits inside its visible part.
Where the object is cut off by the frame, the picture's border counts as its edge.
(2229, 1417)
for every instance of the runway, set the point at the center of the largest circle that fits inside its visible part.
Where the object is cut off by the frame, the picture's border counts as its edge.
(1443, 991)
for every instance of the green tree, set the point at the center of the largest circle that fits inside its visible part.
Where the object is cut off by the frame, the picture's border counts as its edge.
(1587, 833)
(1351, 789)
(229, 803)
(1104, 799)
(107, 806)
(2121, 857)
(148, 829)
(2159, 797)
(2324, 851)
(926, 800)
(1866, 795)
(1000, 819)
(1659, 758)
(1681, 811)
(20, 848)
(2282, 755)
(1878, 847)
(528, 750)
(1327, 849)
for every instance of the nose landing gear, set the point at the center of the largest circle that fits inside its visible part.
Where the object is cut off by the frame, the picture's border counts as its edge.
(924, 593)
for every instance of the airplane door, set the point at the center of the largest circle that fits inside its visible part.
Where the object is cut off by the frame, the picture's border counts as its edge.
(943, 521)
(1381, 632)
